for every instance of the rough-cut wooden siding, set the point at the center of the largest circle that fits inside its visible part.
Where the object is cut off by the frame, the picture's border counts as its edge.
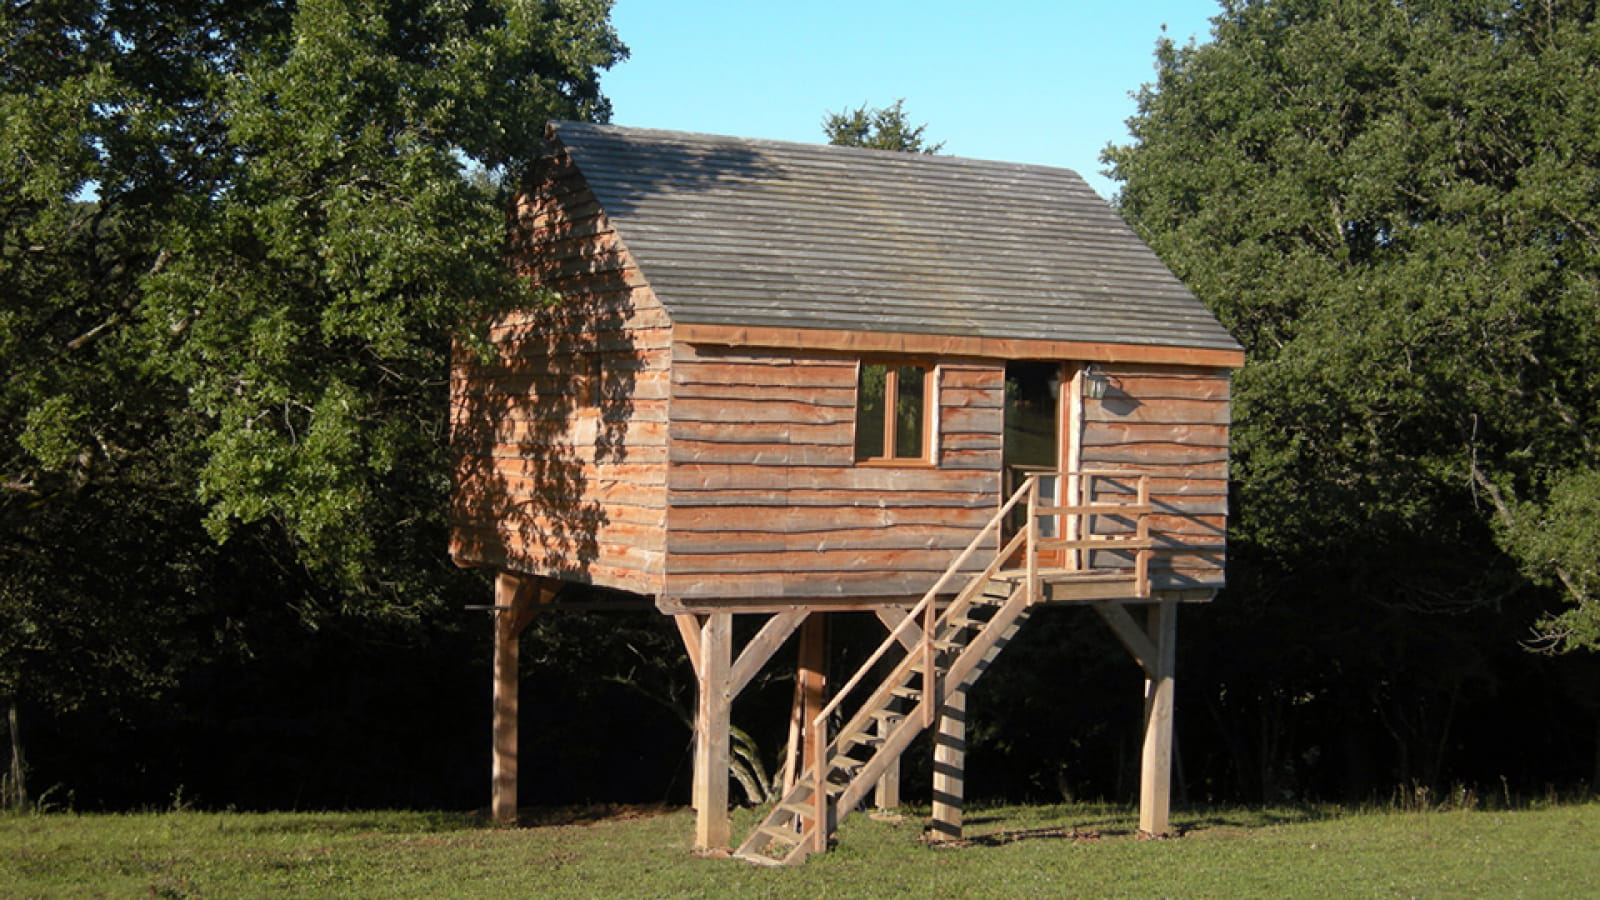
(548, 481)
(765, 498)
(1171, 422)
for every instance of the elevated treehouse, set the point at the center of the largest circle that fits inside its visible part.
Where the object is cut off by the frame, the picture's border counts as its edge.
(783, 379)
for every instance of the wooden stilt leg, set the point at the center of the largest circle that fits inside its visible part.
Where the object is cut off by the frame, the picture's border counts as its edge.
(886, 794)
(1155, 771)
(712, 829)
(949, 765)
(811, 691)
(813, 678)
(514, 597)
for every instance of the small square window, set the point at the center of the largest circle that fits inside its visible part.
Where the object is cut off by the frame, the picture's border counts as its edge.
(892, 411)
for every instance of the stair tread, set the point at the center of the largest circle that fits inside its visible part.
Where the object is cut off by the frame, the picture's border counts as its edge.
(780, 833)
(759, 860)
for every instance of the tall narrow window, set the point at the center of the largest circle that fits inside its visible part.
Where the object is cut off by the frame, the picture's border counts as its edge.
(892, 412)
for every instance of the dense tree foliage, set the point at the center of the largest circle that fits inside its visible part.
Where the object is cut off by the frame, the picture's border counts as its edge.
(1394, 206)
(878, 128)
(235, 241)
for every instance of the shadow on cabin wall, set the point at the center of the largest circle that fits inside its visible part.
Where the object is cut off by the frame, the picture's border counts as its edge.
(560, 438)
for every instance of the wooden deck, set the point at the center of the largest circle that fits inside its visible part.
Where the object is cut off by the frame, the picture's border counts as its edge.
(1058, 586)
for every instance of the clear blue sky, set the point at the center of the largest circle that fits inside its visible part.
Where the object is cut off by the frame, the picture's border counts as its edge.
(1030, 81)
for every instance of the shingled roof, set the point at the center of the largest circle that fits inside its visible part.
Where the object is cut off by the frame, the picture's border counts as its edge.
(735, 231)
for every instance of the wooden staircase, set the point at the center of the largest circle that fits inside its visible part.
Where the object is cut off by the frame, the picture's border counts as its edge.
(957, 643)
(969, 635)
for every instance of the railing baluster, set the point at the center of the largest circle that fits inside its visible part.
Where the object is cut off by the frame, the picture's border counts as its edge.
(930, 686)
(1141, 564)
(1032, 551)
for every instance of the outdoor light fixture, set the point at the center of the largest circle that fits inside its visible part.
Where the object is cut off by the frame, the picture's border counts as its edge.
(1095, 383)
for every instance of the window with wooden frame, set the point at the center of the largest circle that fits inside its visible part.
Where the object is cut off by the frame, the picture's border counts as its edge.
(894, 412)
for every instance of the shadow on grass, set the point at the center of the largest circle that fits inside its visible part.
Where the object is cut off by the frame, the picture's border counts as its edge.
(431, 821)
(1001, 838)
(1081, 825)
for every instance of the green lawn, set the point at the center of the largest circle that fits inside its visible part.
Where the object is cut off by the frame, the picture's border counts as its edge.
(1016, 851)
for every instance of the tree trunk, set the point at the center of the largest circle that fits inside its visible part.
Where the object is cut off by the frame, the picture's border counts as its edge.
(16, 782)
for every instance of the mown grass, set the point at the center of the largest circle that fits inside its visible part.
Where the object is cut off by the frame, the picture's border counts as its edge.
(1050, 851)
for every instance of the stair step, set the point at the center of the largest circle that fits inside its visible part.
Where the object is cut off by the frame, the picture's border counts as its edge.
(780, 833)
(759, 860)
(796, 808)
(906, 692)
(855, 739)
(845, 764)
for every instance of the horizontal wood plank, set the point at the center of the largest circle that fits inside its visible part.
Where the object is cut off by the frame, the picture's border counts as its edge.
(1103, 434)
(1116, 408)
(761, 454)
(802, 520)
(884, 479)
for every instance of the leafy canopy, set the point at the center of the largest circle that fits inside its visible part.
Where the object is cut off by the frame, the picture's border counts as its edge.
(236, 240)
(1395, 206)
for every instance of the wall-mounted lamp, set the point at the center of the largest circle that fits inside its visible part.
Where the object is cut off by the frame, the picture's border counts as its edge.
(1095, 383)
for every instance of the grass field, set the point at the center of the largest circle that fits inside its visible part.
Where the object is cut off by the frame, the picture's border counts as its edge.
(1047, 851)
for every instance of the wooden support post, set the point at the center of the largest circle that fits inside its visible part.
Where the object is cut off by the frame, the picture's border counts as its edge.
(515, 597)
(812, 678)
(1155, 770)
(949, 765)
(712, 829)
(886, 794)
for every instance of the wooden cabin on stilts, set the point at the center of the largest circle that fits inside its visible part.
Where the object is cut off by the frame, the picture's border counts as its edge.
(781, 380)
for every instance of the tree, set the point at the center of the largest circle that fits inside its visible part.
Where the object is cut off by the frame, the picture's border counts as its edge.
(236, 240)
(1392, 205)
(878, 128)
